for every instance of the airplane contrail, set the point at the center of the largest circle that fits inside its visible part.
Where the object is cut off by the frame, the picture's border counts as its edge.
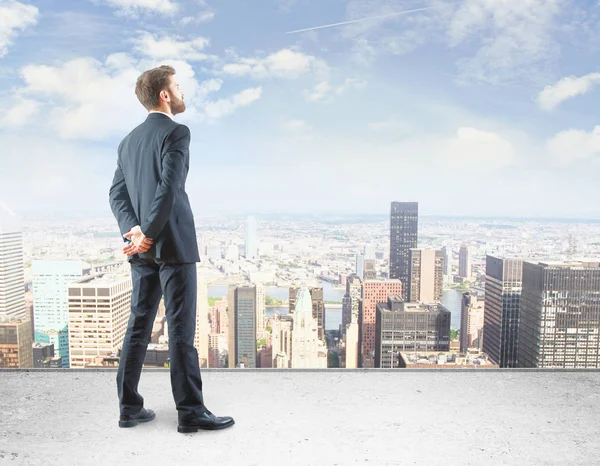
(363, 19)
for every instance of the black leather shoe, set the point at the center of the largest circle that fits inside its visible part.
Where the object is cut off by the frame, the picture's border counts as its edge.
(145, 415)
(204, 421)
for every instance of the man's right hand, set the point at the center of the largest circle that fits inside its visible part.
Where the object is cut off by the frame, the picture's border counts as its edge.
(139, 242)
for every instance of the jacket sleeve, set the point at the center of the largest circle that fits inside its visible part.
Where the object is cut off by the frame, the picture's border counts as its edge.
(120, 202)
(176, 148)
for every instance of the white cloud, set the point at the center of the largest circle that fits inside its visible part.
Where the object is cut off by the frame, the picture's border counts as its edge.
(132, 7)
(16, 17)
(569, 146)
(89, 99)
(474, 149)
(21, 113)
(285, 63)
(497, 40)
(324, 91)
(202, 17)
(223, 107)
(150, 45)
(515, 36)
(568, 87)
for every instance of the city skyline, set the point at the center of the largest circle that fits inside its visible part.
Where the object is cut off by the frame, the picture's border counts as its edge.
(492, 92)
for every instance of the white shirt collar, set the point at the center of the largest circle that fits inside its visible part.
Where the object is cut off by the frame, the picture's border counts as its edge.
(158, 111)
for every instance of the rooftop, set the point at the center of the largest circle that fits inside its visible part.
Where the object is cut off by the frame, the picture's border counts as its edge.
(329, 417)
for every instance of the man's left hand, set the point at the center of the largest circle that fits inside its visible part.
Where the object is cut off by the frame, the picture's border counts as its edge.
(139, 242)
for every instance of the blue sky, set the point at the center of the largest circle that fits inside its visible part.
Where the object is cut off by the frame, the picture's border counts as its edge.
(479, 107)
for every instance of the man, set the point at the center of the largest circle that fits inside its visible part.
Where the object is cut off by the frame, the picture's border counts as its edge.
(149, 201)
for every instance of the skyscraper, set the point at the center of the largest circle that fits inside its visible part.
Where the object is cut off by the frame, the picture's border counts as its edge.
(560, 315)
(251, 238)
(471, 322)
(360, 266)
(426, 280)
(281, 341)
(16, 344)
(12, 276)
(305, 340)
(50, 281)
(201, 336)
(99, 309)
(402, 326)
(373, 292)
(447, 258)
(242, 326)
(316, 294)
(261, 315)
(404, 226)
(464, 262)
(503, 286)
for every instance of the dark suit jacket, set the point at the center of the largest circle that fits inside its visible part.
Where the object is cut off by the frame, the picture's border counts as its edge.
(149, 189)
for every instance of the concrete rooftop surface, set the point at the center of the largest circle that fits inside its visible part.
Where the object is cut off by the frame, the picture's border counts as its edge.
(292, 417)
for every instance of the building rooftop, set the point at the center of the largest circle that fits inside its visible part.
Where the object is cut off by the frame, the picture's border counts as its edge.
(300, 417)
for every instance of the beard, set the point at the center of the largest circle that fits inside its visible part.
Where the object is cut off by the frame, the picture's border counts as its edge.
(177, 105)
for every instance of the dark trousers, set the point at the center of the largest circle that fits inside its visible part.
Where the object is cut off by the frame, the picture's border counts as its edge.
(177, 283)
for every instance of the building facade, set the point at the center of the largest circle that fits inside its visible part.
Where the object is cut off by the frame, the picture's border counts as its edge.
(403, 326)
(373, 292)
(404, 229)
(503, 286)
(426, 272)
(560, 315)
(99, 310)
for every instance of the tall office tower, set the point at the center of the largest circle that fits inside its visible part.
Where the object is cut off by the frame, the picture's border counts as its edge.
(346, 312)
(354, 287)
(352, 347)
(447, 258)
(426, 276)
(99, 309)
(403, 326)
(404, 227)
(369, 251)
(351, 310)
(242, 326)
(560, 315)
(251, 238)
(503, 285)
(370, 270)
(318, 304)
(50, 281)
(373, 292)
(16, 344)
(12, 275)
(360, 266)
(369, 263)
(471, 322)
(305, 340)
(201, 338)
(464, 262)
(281, 341)
(261, 311)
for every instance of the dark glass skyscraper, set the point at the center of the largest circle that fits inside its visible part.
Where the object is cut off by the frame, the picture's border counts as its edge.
(503, 285)
(404, 225)
(242, 326)
(560, 316)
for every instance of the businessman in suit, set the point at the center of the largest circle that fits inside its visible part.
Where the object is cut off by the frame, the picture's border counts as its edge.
(149, 201)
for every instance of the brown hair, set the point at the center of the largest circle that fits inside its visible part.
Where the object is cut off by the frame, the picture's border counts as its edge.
(150, 83)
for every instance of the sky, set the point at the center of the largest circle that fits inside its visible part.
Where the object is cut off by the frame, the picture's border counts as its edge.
(475, 107)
